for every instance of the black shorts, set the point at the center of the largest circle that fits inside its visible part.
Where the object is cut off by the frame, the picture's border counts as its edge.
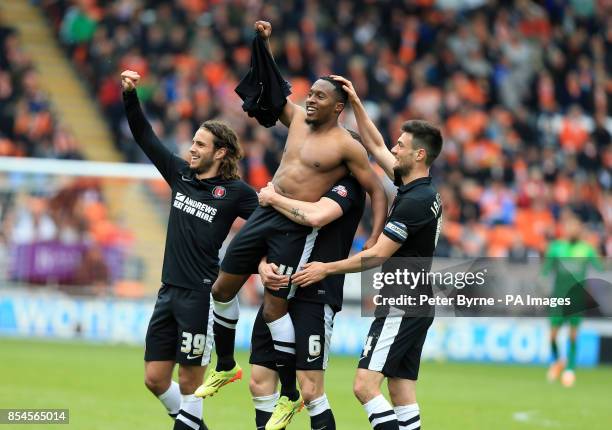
(268, 232)
(180, 328)
(313, 322)
(393, 346)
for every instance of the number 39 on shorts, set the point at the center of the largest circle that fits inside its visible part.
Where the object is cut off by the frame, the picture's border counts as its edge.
(190, 342)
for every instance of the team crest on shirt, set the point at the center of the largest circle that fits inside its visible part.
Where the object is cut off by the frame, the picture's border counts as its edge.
(340, 190)
(218, 192)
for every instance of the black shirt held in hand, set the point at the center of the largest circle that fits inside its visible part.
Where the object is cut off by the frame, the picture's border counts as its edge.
(202, 211)
(263, 89)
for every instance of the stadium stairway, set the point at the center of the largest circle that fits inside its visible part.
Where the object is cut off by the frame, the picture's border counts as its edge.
(79, 112)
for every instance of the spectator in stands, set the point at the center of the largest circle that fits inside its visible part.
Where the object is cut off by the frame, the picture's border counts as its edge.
(519, 87)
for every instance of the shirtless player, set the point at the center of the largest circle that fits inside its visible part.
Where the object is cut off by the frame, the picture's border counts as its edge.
(318, 153)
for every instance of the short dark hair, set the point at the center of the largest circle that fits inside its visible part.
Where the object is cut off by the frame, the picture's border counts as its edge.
(341, 95)
(224, 137)
(426, 136)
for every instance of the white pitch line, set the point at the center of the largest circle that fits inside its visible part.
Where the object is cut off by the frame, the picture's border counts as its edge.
(531, 417)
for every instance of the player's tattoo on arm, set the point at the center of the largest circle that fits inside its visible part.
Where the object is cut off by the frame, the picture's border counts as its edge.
(298, 214)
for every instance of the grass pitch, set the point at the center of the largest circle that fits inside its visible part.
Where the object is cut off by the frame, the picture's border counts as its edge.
(103, 387)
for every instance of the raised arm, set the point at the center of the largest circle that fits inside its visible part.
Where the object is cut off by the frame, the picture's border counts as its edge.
(141, 129)
(264, 28)
(317, 214)
(356, 160)
(370, 136)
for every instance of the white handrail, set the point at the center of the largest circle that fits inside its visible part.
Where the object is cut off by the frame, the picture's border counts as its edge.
(78, 168)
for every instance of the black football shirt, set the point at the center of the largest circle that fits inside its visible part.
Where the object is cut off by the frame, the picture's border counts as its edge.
(202, 211)
(415, 221)
(334, 242)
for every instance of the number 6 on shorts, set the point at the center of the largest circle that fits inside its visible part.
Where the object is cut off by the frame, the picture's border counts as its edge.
(314, 345)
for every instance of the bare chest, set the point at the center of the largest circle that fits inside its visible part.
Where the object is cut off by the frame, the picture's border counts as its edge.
(320, 155)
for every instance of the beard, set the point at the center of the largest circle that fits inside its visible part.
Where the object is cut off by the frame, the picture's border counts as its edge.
(204, 166)
(399, 172)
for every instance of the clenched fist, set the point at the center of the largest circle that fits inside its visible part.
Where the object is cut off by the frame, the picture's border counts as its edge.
(129, 80)
(264, 28)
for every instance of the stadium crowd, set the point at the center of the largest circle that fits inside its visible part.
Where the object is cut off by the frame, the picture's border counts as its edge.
(521, 89)
(28, 127)
(41, 217)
